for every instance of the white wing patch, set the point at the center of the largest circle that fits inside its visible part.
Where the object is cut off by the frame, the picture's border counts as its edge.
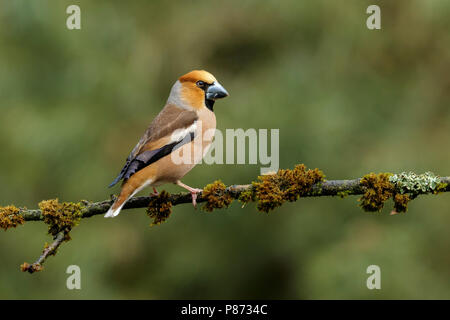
(179, 134)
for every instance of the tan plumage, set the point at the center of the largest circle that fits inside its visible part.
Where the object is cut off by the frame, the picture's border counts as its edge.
(179, 131)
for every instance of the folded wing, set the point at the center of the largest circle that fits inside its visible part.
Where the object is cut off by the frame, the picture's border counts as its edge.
(171, 129)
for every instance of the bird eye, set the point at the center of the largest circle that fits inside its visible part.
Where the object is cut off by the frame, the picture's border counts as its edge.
(201, 84)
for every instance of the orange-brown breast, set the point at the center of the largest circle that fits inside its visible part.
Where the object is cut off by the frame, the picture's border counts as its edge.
(169, 168)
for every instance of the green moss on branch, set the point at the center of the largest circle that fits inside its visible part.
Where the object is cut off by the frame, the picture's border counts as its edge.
(269, 192)
(159, 208)
(60, 217)
(10, 217)
(378, 190)
(216, 196)
(272, 190)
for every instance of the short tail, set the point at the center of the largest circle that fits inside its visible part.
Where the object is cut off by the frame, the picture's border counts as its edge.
(114, 210)
(128, 191)
(118, 205)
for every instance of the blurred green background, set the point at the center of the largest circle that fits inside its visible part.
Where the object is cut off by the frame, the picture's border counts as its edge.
(346, 100)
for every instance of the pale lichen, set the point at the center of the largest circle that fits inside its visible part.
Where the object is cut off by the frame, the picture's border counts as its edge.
(410, 182)
(402, 188)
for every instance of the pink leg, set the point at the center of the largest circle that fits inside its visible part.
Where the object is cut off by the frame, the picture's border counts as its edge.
(155, 192)
(193, 192)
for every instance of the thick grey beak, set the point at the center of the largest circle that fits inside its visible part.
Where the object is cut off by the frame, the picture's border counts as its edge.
(216, 91)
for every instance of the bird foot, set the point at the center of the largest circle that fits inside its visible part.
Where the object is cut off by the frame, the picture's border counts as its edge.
(155, 193)
(194, 192)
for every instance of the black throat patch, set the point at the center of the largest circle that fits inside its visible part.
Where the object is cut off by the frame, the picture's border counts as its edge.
(209, 104)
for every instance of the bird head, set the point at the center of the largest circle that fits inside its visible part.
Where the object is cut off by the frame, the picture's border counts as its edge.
(197, 89)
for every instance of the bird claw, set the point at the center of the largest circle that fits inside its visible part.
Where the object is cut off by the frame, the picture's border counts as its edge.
(194, 199)
(155, 193)
(194, 196)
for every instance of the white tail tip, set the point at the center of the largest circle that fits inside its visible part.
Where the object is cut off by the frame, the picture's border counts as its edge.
(113, 213)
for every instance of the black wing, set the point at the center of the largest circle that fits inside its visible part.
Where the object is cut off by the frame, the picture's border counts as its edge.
(146, 158)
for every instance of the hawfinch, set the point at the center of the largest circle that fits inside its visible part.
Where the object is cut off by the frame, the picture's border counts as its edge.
(175, 141)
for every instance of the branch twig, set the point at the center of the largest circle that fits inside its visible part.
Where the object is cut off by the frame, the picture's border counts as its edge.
(325, 188)
(49, 250)
(322, 188)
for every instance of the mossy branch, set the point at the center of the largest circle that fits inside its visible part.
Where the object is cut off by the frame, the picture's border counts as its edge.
(322, 189)
(268, 192)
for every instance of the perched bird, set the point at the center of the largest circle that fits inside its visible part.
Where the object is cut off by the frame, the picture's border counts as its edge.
(170, 146)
